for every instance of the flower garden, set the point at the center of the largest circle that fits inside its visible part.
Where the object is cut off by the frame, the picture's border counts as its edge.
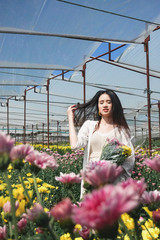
(40, 195)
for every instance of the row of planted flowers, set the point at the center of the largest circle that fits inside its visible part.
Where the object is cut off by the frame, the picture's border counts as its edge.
(39, 201)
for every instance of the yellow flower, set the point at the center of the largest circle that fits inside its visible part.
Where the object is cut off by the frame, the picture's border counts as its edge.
(48, 185)
(30, 180)
(148, 211)
(65, 237)
(21, 208)
(38, 180)
(46, 198)
(126, 237)
(29, 174)
(78, 227)
(127, 151)
(150, 233)
(148, 224)
(10, 167)
(43, 190)
(3, 186)
(128, 221)
(18, 193)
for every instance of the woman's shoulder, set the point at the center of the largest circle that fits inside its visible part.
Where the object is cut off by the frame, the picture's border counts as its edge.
(90, 122)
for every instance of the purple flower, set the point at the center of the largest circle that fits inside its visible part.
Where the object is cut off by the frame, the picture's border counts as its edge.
(101, 172)
(68, 178)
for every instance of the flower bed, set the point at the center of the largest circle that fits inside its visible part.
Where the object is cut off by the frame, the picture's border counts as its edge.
(39, 196)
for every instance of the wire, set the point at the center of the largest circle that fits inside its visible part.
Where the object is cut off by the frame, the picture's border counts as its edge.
(108, 12)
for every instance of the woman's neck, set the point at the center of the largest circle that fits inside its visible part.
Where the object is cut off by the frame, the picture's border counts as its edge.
(106, 121)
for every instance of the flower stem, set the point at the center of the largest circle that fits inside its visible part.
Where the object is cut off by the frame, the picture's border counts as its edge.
(24, 187)
(52, 232)
(13, 209)
(36, 188)
(10, 229)
(72, 196)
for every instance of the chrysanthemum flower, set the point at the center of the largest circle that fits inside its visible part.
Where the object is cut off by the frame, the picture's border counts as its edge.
(139, 186)
(41, 160)
(101, 172)
(22, 224)
(20, 151)
(103, 207)
(154, 163)
(6, 143)
(150, 197)
(62, 210)
(68, 178)
(3, 232)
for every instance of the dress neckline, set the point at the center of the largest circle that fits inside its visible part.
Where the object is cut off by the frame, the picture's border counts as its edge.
(106, 132)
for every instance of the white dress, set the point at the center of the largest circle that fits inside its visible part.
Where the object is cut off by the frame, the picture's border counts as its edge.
(93, 147)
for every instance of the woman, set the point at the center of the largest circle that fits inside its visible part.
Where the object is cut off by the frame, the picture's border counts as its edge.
(109, 123)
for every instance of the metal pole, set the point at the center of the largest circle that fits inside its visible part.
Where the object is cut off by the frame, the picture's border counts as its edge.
(57, 133)
(15, 136)
(48, 81)
(43, 133)
(32, 134)
(84, 86)
(135, 126)
(7, 116)
(159, 116)
(24, 128)
(109, 47)
(146, 49)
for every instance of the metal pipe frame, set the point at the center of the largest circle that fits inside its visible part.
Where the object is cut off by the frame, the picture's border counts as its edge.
(146, 49)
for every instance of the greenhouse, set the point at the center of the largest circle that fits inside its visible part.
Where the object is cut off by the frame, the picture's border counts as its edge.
(57, 53)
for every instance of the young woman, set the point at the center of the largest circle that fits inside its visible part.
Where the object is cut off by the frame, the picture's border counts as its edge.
(109, 123)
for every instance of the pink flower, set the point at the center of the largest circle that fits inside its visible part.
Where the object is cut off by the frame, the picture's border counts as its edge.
(22, 224)
(154, 163)
(156, 216)
(84, 233)
(150, 197)
(139, 186)
(103, 207)
(68, 178)
(41, 160)
(3, 232)
(20, 151)
(7, 206)
(6, 143)
(62, 210)
(33, 213)
(101, 172)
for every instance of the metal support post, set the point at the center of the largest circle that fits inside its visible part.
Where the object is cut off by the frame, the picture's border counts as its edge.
(48, 81)
(7, 116)
(24, 127)
(146, 49)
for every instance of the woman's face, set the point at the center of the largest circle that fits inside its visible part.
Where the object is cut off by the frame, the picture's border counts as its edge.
(105, 105)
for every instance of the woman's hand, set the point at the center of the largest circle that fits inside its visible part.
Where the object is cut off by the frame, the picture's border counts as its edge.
(70, 111)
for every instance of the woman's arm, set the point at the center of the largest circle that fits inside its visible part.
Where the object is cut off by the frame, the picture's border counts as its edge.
(79, 140)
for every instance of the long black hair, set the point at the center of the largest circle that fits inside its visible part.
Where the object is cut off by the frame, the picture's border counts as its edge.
(89, 110)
